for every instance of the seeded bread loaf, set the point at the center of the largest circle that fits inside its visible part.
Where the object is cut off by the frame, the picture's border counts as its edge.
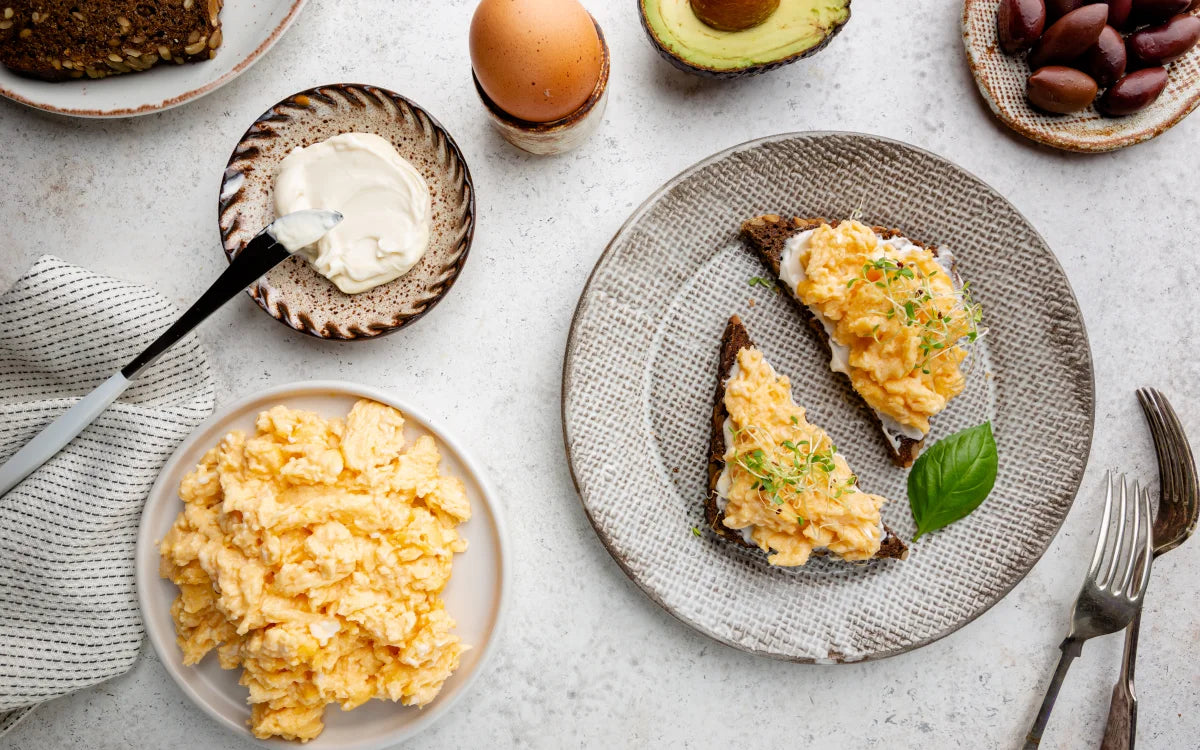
(736, 338)
(56, 40)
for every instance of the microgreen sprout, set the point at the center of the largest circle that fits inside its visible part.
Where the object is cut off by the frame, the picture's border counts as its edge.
(801, 466)
(939, 317)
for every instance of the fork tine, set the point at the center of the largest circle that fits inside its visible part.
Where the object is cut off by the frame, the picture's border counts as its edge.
(1155, 418)
(1135, 538)
(1184, 473)
(1102, 535)
(1116, 546)
(1147, 552)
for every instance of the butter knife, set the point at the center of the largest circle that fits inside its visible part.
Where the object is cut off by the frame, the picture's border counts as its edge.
(266, 250)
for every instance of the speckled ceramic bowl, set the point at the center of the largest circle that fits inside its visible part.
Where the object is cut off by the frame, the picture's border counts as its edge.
(1001, 79)
(295, 294)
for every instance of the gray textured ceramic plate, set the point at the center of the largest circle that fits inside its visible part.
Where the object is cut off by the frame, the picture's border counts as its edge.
(1001, 80)
(293, 292)
(640, 373)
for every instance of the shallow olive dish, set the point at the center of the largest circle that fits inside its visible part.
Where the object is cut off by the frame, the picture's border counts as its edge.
(697, 57)
(295, 294)
(1001, 79)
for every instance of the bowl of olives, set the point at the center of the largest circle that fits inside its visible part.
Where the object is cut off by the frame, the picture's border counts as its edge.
(1086, 75)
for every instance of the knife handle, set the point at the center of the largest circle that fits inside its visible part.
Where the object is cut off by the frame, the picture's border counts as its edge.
(1120, 731)
(61, 431)
(260, 255)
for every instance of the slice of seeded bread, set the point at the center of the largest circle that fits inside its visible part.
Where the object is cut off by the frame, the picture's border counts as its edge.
(767, 235)
(733, 341)
(56, 40)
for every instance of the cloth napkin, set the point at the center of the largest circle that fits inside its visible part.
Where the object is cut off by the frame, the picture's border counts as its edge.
(68, 611)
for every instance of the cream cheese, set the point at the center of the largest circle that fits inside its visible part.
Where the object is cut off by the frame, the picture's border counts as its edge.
(297, 230)
(791, 271)
(725, 479)
(385, 200)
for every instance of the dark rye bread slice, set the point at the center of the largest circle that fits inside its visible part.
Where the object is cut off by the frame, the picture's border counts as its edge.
(57, 40)
(736, 338)
(767, 235)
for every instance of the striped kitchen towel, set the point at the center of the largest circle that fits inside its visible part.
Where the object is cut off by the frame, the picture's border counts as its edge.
(68, 611)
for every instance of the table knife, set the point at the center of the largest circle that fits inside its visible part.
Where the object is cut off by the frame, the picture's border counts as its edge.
(262, 253)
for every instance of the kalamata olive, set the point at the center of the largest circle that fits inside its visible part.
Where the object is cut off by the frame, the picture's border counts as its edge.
(1061, 90)
(1105, 60)
(1119, 11)
(1019, 24)
(1070, 36)
(1162, 44)
(1134, 92)
(1157, 11)
(1058, 8)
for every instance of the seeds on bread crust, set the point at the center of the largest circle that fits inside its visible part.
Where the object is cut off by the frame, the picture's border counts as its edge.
(59, 40)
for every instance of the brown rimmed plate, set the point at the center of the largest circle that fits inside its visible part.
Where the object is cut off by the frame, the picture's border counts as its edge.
(1001, 79)
(293, 293)
(641, 369)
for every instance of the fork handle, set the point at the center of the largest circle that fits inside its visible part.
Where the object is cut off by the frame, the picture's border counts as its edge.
(1120, 732)
(1071, 648)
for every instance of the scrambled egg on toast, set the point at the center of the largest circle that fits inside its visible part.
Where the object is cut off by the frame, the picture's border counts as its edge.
(777, 482)
(894, 313)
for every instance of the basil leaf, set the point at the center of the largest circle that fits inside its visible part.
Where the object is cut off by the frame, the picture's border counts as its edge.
(952, 478)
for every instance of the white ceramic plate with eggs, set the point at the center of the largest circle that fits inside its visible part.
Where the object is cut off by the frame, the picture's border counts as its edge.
(248, 29)
(474, 596)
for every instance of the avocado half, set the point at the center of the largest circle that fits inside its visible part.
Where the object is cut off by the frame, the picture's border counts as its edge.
(798, 28)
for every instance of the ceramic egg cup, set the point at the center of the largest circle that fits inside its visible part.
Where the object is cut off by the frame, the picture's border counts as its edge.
(557, 136)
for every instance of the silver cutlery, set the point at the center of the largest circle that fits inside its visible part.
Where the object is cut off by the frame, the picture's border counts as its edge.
(269, 247)
(1178, 507)
(1113, 588)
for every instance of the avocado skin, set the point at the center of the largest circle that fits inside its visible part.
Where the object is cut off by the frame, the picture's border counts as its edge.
(751, 70)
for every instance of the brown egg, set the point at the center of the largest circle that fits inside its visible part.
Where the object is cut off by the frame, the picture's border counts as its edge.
(538, 60)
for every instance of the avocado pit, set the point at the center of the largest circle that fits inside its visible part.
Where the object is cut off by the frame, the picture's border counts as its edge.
(734, 15)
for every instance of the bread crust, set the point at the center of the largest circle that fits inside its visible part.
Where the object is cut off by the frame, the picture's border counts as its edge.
(767, 235)
(736, 338)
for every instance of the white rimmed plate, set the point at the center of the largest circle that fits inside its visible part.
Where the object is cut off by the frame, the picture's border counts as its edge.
(474, 597)
(248, 30)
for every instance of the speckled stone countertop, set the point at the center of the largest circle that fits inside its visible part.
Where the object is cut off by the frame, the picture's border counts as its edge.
(586, 659)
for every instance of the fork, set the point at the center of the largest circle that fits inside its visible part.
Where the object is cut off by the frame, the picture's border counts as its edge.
(1178, 508)
(1108, 600)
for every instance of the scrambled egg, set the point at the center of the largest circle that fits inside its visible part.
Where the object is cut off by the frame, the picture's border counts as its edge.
(313, 555)
(897, 311)
(786, 481)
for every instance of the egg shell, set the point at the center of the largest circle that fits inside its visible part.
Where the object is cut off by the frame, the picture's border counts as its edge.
(538, 60)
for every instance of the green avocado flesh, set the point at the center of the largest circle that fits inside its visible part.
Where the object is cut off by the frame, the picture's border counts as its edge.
(795, 27)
